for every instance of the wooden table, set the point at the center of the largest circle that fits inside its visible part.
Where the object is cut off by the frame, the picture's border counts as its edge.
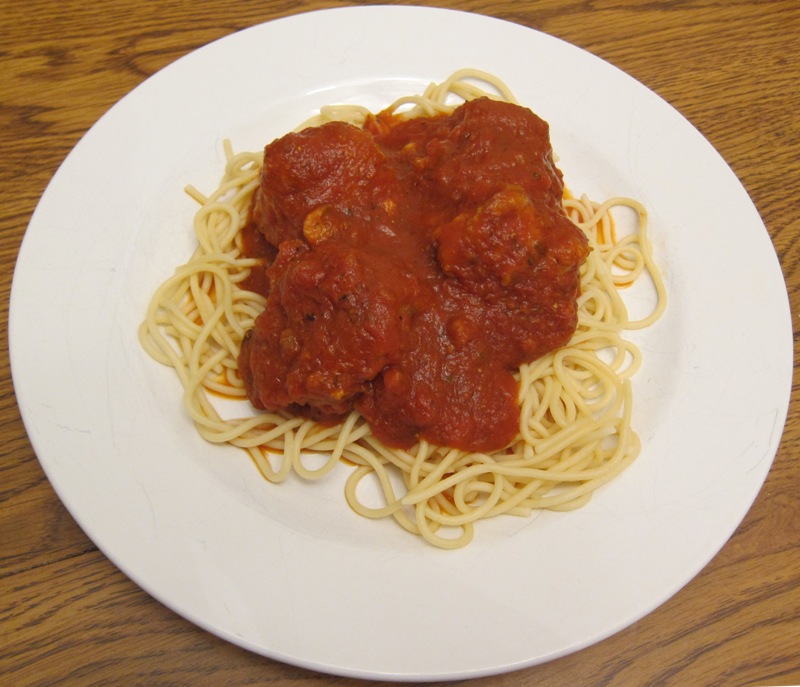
(70, 617)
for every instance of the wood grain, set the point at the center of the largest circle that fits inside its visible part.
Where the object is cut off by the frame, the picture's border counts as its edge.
(70, 617)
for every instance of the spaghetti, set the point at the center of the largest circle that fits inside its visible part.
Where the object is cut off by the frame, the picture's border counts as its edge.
(575, 403)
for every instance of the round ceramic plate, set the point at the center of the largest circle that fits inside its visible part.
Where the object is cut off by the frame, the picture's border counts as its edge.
(289, 571)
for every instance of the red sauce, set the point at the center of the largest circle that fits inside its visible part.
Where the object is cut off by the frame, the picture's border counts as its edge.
(420, 262)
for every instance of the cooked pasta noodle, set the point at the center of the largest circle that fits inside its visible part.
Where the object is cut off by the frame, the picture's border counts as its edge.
(575, 403)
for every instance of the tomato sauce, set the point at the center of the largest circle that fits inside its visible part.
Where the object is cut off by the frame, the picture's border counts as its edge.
(419, 263)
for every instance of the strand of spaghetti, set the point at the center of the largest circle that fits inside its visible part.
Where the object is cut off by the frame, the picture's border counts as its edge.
(554, 498)
(603, 307)
(554, 444)
(477, 497)
(351, 487)
(216, 337)
(422, 106)
(223, 217)
(516, 498)
(658, 281)
(457, 84)
(466, 513)
(329, 438)
(600, 312)
(246, 432)
(392, 505)
(588, 450)
(178, 284)
(640, 259)
(627, 449)
(627, 357)
(399, 458)
(289, 452)
(261, 458)
(429, 533)
(157, 345)
(332, 457)
(595, 220)
(349, 434)
(597, 371)
(627, 257)
(583, 455)
(601, 210)
(567, 474)
(435, 472)
(211, 290)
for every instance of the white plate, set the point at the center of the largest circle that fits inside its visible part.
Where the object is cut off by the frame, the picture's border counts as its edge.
(288, 571)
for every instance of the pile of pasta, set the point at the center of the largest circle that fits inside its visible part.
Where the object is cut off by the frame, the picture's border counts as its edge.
(575, 404)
